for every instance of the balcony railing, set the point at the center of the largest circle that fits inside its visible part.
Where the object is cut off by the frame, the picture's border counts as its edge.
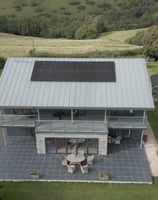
(66, 126)
(17, 120)
(126, 122)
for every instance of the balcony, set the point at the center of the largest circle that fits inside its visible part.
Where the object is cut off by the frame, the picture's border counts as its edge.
(66, 126)
(115, 122)
(127, 122)
(17, 121)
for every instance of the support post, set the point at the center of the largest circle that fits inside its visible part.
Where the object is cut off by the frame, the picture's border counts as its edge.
(4, 136)
(72, 116)
(38, 113)
(105, 119)
(144, 117)
(141, 140)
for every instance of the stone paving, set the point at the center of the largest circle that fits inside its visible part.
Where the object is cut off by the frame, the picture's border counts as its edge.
(151, 149)
(126, 163)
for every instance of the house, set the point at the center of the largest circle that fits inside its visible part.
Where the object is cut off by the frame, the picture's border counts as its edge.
(64, 102)
(154, 82)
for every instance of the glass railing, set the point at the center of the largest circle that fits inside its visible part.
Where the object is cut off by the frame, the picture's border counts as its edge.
(17, 120)
(68, 126)
(77, 125)
(129, 122)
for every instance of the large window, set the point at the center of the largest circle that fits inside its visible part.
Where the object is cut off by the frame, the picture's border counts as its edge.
(70, 145)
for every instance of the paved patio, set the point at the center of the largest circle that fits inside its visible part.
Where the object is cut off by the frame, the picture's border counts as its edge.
(126, 163)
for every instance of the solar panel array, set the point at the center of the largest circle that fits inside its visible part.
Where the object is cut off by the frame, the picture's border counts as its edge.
(66, 71)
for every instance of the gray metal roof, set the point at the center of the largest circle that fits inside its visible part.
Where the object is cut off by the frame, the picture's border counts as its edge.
(132, 88)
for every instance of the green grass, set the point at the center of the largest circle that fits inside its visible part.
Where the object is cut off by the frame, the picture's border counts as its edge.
(77, 191)
(152, 67)
(12, 45)
(153, 119)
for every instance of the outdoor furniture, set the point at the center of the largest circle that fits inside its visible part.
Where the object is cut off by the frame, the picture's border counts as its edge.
(63, 160)
(84, 169)
(80, 151)
(118, 139)
(84, 162)
(90, 159)
(71, 168)
(75, 159)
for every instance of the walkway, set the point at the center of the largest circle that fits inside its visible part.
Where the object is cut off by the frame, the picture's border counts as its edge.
(151, 149)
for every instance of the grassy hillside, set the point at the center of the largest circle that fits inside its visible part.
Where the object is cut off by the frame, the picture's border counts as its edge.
(77, 19)
(21, 8)
(12, 45)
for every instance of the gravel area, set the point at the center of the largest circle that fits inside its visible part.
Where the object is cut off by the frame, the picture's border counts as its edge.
(151, 149)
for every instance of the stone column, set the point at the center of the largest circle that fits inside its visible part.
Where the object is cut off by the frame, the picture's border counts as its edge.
(103, 145)
(3, 140)
(40, 144)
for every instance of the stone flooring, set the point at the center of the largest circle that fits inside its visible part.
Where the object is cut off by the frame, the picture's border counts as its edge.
(151, 149)
(126, 163)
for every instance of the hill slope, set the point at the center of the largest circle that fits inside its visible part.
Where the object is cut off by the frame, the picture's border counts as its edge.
(12, 45)
(78, 19)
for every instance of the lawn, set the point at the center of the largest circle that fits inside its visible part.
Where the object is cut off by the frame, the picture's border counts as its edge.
(152, 67)
(12, 45)
(77, 191)
(153, 119)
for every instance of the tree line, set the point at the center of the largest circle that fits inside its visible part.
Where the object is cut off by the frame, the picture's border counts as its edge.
(149, 40)
(54, 27)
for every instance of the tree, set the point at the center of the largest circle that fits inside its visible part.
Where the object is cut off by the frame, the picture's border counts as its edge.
(151, 42)
(86, 32)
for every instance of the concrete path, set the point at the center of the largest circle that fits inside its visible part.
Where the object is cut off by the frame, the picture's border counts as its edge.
(151, 149)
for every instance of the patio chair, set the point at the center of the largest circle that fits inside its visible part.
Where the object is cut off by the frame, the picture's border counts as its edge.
(118, 139)
(71, 168)
(63, 160)
(80, 151)
(90, 159)
(84, 162)
(84, 169)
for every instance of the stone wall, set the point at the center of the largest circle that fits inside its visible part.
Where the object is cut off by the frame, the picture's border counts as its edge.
(2, 138)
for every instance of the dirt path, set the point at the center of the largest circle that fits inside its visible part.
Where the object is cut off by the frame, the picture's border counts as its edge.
(151, 148)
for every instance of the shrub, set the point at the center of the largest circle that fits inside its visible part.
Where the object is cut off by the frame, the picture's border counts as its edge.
(86, 32)
(89, 2)
(75, 2)
(67, 13)
(81, 7)
(137, 39)
(18, 8)
(2, 62)
(38, 10)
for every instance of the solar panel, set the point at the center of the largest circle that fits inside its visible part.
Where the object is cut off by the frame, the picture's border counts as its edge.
(65, 71)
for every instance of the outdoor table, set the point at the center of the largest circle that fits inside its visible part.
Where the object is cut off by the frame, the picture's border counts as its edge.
(75, 158)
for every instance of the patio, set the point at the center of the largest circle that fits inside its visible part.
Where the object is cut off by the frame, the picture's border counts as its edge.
(126, 163)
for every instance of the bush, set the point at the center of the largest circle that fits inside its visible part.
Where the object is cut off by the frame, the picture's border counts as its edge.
(86, 32)
(137, 39)
(18, 8)
(67, 13)
(2, 62)
(89, 2)
(38, 9)
(81, 7)
(75, 2)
